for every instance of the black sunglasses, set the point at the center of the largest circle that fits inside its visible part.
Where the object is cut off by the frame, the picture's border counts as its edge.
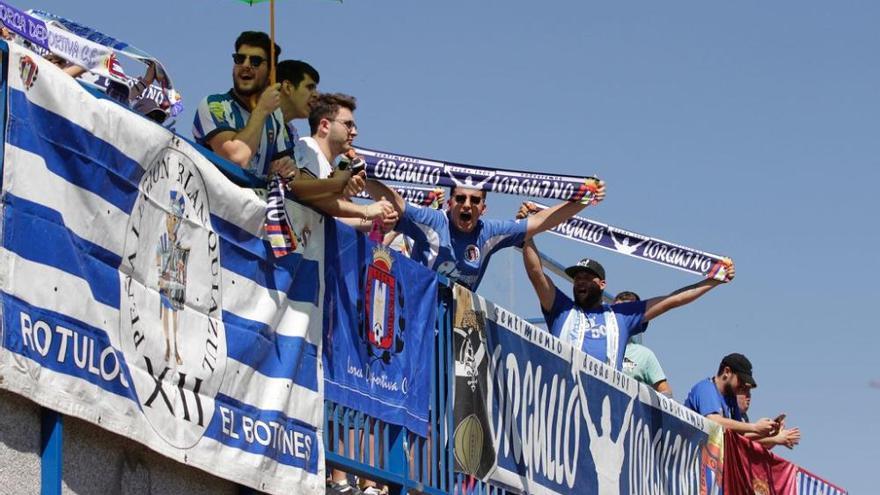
(475, 200)
(256, 60)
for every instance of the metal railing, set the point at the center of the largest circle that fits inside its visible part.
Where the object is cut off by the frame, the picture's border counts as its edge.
(389, 454)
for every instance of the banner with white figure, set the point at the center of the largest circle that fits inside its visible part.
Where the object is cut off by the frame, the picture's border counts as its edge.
(139, 291)
(534, 415)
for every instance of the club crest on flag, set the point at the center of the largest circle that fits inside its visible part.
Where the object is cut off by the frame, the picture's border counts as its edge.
(712, 461)
(171, 328)
(381, 292)
(760, 487)
(28, 70)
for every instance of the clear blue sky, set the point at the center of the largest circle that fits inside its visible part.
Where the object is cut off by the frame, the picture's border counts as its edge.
(744, 128)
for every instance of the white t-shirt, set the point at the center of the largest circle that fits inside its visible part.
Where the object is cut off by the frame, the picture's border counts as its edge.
(308, 156)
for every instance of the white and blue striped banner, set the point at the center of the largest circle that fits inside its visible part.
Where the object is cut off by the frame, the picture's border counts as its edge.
(810, 484)
(139, 291)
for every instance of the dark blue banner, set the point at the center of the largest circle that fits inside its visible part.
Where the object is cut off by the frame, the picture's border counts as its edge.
(379, 318)
(536, 415)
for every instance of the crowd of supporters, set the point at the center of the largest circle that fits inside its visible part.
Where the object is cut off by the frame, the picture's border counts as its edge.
(253, 126)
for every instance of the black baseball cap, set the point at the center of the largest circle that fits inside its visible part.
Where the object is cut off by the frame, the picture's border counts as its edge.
(586, 264)
(740, 365)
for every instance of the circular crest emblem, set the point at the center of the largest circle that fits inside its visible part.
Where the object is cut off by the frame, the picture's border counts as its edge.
(472, 253)
(171, 327)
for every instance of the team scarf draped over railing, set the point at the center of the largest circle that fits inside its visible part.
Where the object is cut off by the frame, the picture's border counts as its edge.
(643, 247)
(412, 170)
(83, 46)
(278, 229)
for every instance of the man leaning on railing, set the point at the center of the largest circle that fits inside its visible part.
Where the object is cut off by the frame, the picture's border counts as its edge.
(786, 436)
(333, 130)
(716, 398)
(245, 125)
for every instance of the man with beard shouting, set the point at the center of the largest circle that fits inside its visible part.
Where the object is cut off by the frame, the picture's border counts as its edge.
(600, 330)
(716, 398)
(245, 125)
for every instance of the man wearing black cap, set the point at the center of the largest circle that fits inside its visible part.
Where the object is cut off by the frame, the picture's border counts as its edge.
(600, 330)
(715, 397)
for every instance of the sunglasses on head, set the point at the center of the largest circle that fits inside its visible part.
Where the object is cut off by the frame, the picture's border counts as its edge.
(256, 60)
(461, 198)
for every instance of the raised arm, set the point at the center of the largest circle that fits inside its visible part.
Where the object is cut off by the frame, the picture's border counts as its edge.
(626, 422)
(544, 287)
(551, 217)
(582, 395)
(656, 306)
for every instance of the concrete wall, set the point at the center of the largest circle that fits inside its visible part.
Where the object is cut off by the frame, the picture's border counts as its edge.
(19, 445)
(95, 460)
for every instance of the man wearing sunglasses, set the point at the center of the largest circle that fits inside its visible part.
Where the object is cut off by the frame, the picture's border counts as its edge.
(458, 243)
(333, 129)
(245, 125)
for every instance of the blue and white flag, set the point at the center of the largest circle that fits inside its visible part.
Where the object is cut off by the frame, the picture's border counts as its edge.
(380, 316)
(139, 291)
(811, 484)
(539, 416)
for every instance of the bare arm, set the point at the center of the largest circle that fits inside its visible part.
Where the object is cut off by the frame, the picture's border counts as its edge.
(253, 130)
(761, 428)
(551, 217)
(378, 190)
(74, 70)
(656, 306)
(663, 387)
(544, 287)
(731, 424)
(787, 437)
(338, 206)
(308, 188)
(359, 224)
